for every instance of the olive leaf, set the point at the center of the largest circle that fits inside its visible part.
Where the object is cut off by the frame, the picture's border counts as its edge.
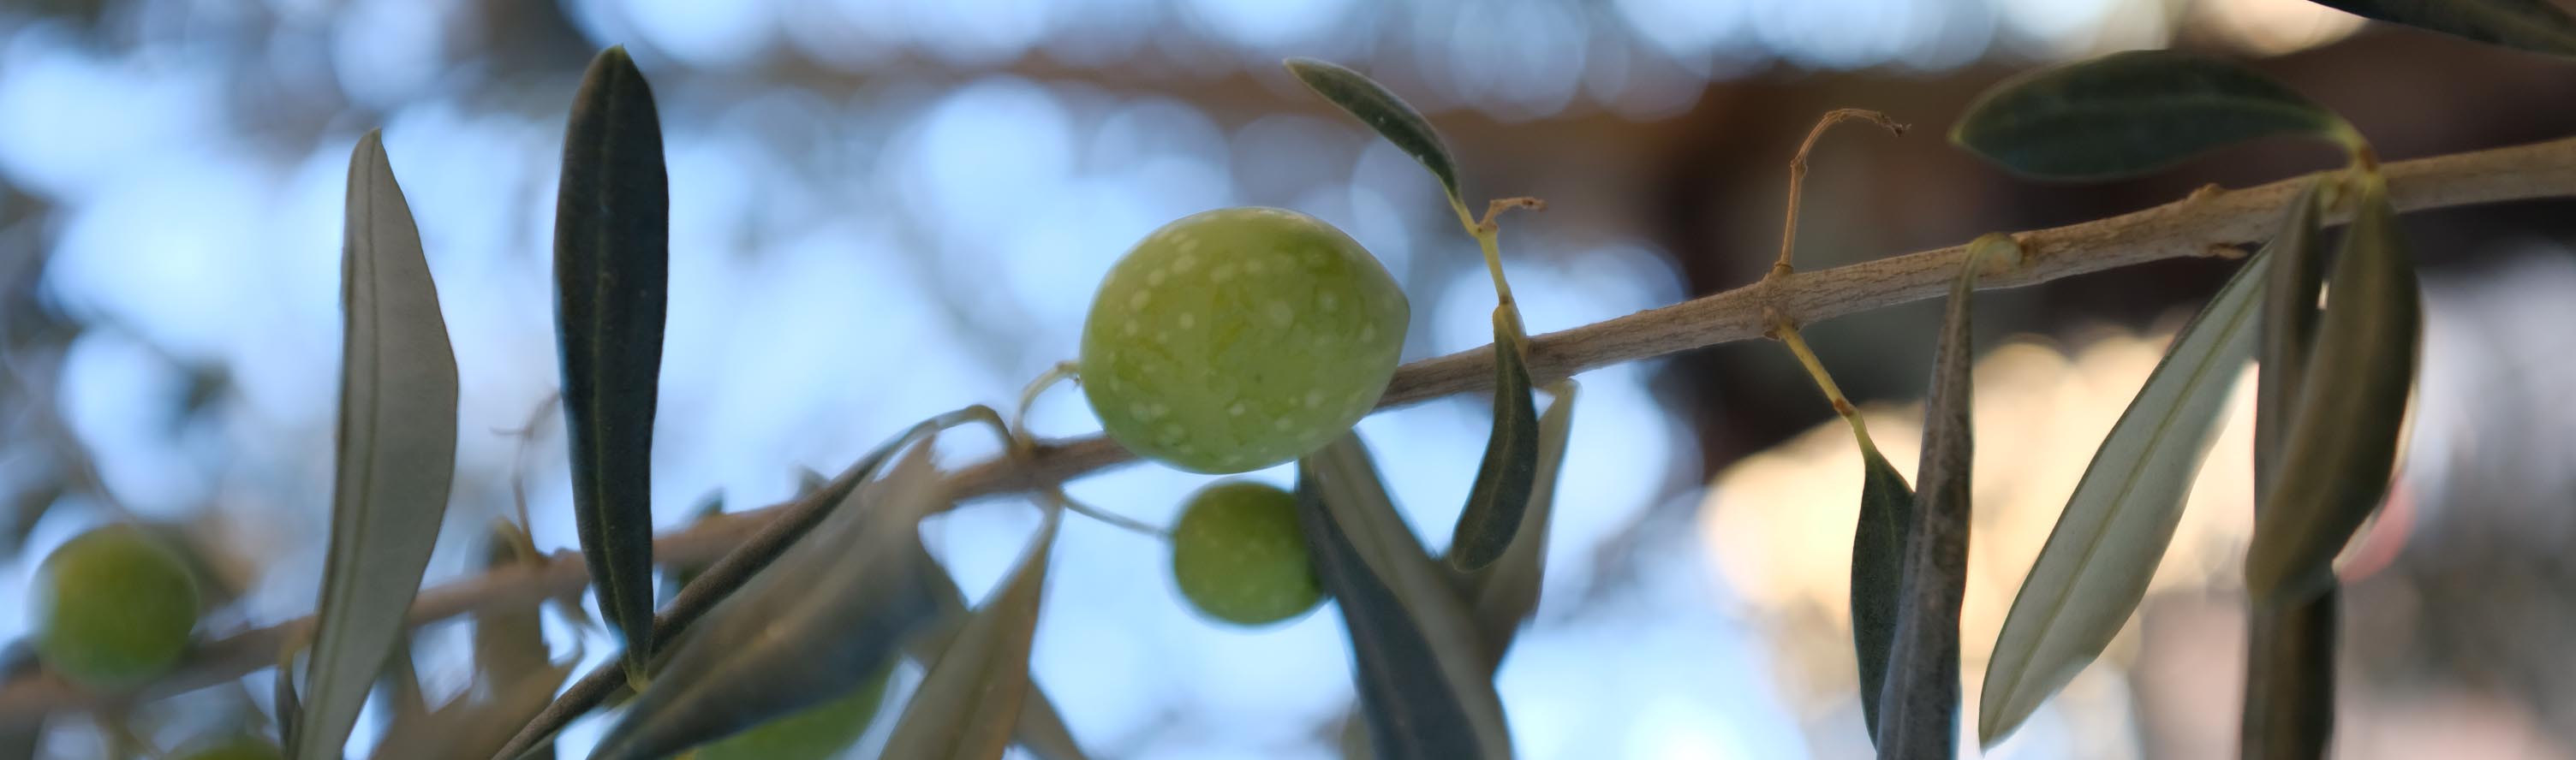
(1416, 657)
(822, 618)
(971, 701)
(509, 640)
(397, 453)
(2534, 25)
(1877, 571)
(2342, 438)
(1501, 496)
(2094, 569)
(612, 262)
(471, 728)
(1506, 592)
(1382, 111)
(2290, 651)
(821, 732)
(2131, 113)
(1918, 707)
(1041, 728)
(731, 572)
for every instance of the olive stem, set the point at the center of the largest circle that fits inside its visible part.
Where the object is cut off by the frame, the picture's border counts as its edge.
(1112, 518)
(2185, 228)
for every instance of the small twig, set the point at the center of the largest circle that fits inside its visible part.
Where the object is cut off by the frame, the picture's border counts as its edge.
(2174, 230)
(1798, 175)
(1497, 207)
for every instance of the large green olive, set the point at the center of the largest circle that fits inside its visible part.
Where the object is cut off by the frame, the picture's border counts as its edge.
(1239, 556)
(1237, 339)
(112, 608)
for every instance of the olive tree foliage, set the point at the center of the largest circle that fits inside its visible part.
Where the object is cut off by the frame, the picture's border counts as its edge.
(787, 620)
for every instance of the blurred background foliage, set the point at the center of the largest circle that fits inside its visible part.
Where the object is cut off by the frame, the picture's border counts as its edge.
(883, 209)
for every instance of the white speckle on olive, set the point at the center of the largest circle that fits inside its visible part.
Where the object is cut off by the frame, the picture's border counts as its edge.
(1188, 320)
(1139, 300)
(1154, 279)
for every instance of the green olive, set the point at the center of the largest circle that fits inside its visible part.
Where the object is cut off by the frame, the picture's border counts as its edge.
(819, 732)
(1240, 557)
(235, 747)
(112, 608)
(1237, 339)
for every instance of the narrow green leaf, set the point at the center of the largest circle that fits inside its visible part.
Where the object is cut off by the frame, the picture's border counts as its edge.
(474, 726)
(1503, 482)
(2290, 651)
(1505, 594)
(2342, 441)
(1878, 572)
(2131, 113)
(1041, 728)
(730, 574)
(2534, 25)
(2092, 572)
(612, 271)
(821, 732)
(971, 701)
(1418, 661)
(1918, 707)
(826, 615)
(1382, 111)
(397, 452)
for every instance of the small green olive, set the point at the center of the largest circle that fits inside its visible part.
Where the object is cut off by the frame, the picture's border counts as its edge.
(1236, 339)
(1240, 557)
(820, 732)
(112, 608)
(235, 747)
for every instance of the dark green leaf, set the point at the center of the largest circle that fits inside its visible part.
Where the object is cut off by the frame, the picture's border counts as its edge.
(1381, 110)
(1418, 661)
(824, 617)
(971, 701)
(2534, 25)
(2131, 113)
(1506, 592)
(1918, 708)
(612, 271)
(1041, 728)
(2289, 327)
(2092, 572)
(2289, 664)
(397, 452)
(821, 732)
(2342, 439)
(2289, 681)
(730, 573)
(1502, 492)
(1877, 572)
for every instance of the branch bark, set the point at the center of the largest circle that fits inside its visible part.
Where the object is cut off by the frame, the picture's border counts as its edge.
(2208, 222)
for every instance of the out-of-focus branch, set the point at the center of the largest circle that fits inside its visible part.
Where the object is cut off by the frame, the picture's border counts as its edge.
(2208, 221)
